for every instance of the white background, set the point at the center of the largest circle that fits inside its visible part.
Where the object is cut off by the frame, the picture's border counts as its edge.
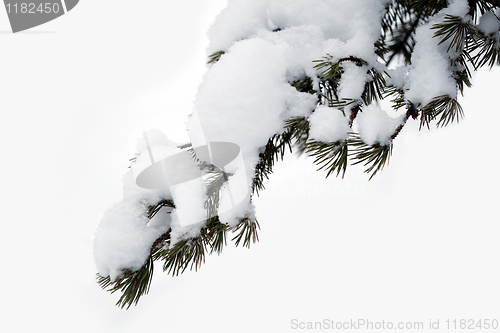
(420, 241)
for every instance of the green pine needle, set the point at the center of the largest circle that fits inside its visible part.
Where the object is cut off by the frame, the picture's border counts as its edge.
(154, 209)
(275, 149)
(331, 156)
(455, 31)
(445, 108)
(485, 50)
(183, 253)
(215, 57)
(132, 284)
(247, 232)
(375, 156)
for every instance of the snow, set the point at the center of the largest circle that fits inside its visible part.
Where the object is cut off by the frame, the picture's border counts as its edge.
(489, 23)
(300, 46)
(398, 77)
(246, 96)
(375, 125)
(242, 98)
(234, 199)
(189, 198)
(239, 20)
(328, 125)
(180, 232)
(456, 8)
(345, 20)
(353, 80)
(123, 238)
(298, 104)
(429, 74)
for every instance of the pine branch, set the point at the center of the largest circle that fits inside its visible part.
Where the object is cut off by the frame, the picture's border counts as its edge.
(304, 85)
(185, 253)
(357, 61)
(410, 112)
(131, 284)
(381, 48)
(446, 108)
(160, 242)
(374, 88)
(485, 50)
(354, 113)
(375, 156)
(461, 36)
(247, 232)
(342, 103)
(403, 40)
(399, 97)
(396, 12)
(479, 7)
(461, 71)
(133, 160)
(274, 149)
(455, 31)
(330, 74)
(179, 255)
(216, 234)
(331, 156)
(299, 128)
(429, 7)
(215, 181)
(400, 21)
(154, 209)
(215, 57)
(192, 252)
